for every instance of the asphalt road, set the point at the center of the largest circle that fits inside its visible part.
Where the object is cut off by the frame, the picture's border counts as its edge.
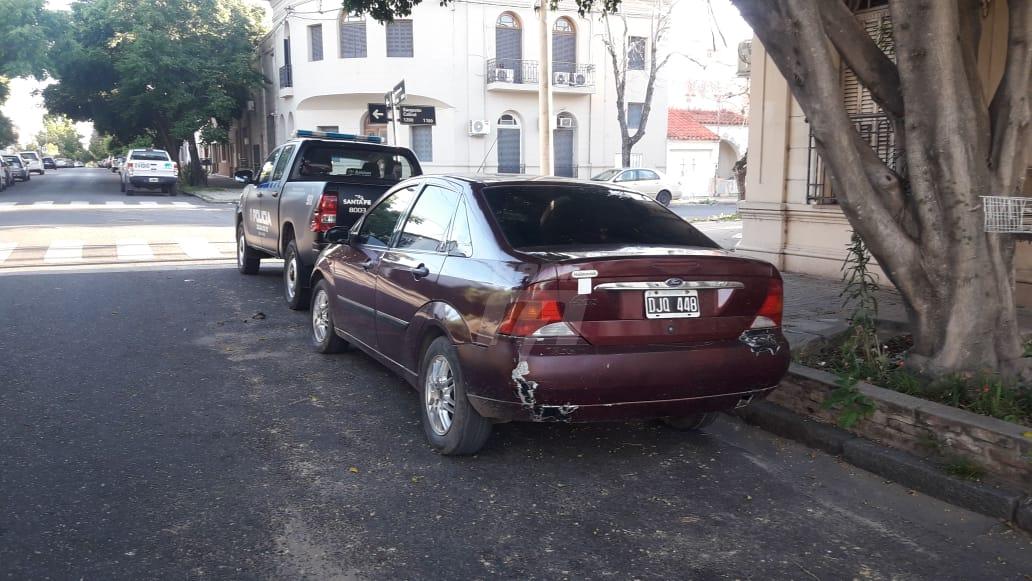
(161, 420)
(690, 211)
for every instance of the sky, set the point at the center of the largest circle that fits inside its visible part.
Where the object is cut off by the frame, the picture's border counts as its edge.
(695, 33)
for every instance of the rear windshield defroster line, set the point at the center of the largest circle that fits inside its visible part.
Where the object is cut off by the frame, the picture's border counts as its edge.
(556, 216)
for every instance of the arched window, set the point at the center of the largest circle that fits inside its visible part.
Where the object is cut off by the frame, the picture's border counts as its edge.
(373, 128)
(352, 36)
(563, 142)
(509, 47)
(564, 48)
(510, 144)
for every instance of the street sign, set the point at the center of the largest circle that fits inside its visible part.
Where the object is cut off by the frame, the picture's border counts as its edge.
(398, 94)
(417, 115)
(378, 113)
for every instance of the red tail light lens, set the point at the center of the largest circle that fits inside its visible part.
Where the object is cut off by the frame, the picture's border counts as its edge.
(770, 311)
(325, 216)
(535, 308)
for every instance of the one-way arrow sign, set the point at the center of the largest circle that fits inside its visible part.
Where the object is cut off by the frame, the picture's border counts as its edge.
(378, 113)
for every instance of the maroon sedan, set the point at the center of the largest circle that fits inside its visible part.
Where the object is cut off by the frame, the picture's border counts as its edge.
(545, 299)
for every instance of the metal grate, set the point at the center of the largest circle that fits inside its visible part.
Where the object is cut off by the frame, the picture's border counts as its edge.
(1007, 215)
(876, 129)
(399, 38)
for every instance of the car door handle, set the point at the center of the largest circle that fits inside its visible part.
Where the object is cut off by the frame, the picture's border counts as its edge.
(420, 271)
(366, 265)
(275, 194)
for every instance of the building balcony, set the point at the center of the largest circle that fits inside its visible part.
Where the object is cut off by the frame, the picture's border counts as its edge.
(286, 81)
(523, 75)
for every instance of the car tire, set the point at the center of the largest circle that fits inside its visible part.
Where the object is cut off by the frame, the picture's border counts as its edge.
(324, 337)
(450, 423)
(692, 422)
(664, 198)
(295, 292)
(248, 259)
(173, 190)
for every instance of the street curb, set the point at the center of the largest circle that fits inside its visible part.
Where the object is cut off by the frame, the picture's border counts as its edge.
(209, 198)
(901, 467)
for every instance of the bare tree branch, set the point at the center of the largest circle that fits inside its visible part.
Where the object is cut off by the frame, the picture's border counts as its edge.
(1009, 112)
(874, 69)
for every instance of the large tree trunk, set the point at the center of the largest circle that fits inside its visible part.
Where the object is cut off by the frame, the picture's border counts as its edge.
(924, 225)
(197, 176)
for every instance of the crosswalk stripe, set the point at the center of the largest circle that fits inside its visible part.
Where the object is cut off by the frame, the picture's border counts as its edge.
(181, 204)
(114, 203)
(6, 248)
(46, 203)
(199, 248)
(64, 251)
(148, 203)
(6, 204)
(134, 249)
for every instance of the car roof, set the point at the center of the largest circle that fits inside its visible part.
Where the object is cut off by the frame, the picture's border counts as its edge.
(519, 179)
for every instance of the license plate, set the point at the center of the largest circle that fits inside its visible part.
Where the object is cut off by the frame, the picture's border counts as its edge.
(153, 180)
(671, 304)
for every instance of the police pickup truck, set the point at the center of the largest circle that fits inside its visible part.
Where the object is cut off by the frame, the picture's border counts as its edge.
(306, 186)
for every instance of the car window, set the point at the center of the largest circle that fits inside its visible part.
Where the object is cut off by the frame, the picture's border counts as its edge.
(627, 176)
(428, 222)
(155, 155)
(606, 175)
(460, 233)
(378, 225)
(266, 172)
(281, 165)
(647, 174)
(551, 216)
(29, 155)
(322, 161)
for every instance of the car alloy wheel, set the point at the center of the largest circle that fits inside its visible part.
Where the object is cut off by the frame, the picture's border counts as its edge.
(291, 276)
(440, 395)
(321, 316)
(241, 248)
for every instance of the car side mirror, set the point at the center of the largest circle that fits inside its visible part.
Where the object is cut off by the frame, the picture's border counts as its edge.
(244, 176)
(338, 235)
(451, 248)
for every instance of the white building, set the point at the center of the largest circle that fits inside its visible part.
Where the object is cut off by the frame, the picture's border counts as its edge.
(477, 63)
(702, 148)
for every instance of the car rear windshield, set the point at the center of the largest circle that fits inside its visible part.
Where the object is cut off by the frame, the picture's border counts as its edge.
(550, 216)
(606, 175)
(324, 162)
(150, 155)
(29, 155)
(13, 159)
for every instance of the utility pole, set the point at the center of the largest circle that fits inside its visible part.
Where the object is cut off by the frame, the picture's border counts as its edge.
(544, 92)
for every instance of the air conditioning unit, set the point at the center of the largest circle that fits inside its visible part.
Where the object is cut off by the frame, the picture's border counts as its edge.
(505, 75)
(566, 122)
(250, 105)
(578, 79)
(561, 78)
(744, 58)
(479, 127)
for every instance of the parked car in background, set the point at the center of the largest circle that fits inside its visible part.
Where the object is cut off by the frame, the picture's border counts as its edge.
(116, 164)
(63, 162)
(33, 161)
(149, 169)
(78, 163)
(18, 168)
(305, 187)
(49, 163)
(642, 180)
(6, 177)
(545, 299)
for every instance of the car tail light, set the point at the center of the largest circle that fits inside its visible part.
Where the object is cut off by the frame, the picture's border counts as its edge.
(769, 314)
(128, 165)
(325, 216)
(536, 312)
(175, 167)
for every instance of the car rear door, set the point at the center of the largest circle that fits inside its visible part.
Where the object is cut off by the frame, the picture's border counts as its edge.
(648, 182)
(271, 196)
(407, 276)
(355, 267)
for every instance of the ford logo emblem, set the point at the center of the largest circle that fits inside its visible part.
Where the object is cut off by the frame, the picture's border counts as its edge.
(674, 282)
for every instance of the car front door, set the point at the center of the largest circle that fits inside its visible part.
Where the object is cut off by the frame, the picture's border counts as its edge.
(256, 219)
(407, 276)
(271, 199)
(355, 266)
(648, 182)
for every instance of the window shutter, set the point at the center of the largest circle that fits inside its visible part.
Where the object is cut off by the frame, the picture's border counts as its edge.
(352, 40)
(878, 25)
(423, 142)
(564, 52)
(636, 53)
(634, 111)
(399, 38)
(315, 42)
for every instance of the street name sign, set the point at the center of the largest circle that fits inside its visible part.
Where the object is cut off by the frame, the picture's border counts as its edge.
(417, 115)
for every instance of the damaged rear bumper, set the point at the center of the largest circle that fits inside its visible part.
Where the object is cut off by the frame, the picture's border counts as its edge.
(581, 382)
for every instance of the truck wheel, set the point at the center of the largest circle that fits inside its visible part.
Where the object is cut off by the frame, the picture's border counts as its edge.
(248, 260)
(691, 423)
(324, 338)
(173, 190)
(295, 291)
(450, 423)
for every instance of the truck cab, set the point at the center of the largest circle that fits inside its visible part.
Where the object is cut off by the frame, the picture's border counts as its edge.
(306, 186)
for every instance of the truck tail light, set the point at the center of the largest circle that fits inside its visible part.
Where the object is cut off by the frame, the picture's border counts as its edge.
(769, 314)
(325, 216)
(128, 165)
(536, 312)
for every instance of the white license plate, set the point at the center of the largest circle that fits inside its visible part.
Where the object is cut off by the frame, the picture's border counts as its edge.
(155, 180)
(671, 304)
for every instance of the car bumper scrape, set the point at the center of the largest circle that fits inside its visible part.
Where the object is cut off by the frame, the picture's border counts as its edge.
(525, 390)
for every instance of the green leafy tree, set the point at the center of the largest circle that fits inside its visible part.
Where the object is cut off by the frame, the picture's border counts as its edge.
(8, 136)
(25, 32)
(60, 132)
(156, 69)
(957, 138)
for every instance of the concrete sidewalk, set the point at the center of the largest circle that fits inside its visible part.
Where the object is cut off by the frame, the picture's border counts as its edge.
(220, 190)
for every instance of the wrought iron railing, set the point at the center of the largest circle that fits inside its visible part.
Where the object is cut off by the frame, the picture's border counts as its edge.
(573, 75)
(512, 168)
(516, 71)
(286, 76)
(876, 129)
